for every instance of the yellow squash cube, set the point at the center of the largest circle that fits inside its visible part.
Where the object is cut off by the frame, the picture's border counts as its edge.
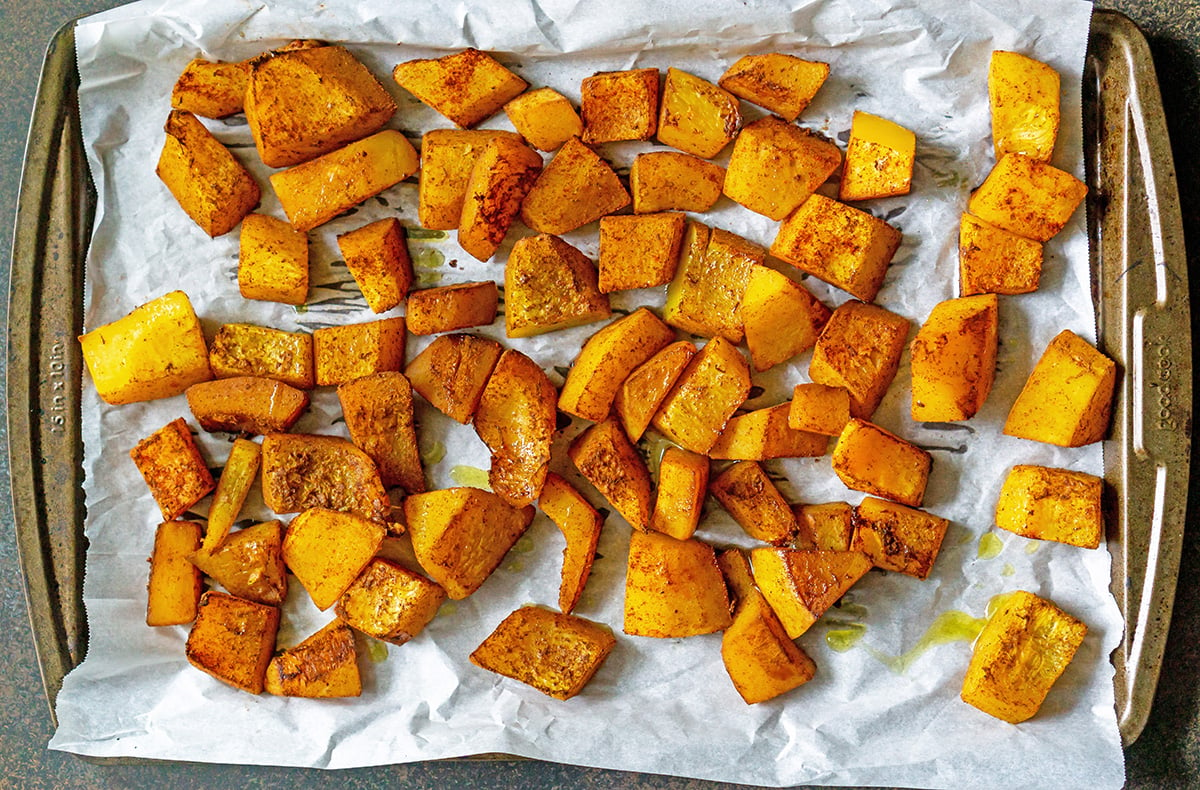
(783, 84)
(173, 468)
(682, 486)
(378, 410)
(705, 297)
(828, 526)
(323, 666)
(780, 317)
(502, 175)
(817, 408)
(644, 390)
(390, 602)
(351, 351)
(447, 158)
(249, 563)
(879, 159)
(696, 116)
(239, 474)
(211, 89)
(868, 458)
(467, 87)
(272, 261)
(898, 538)
(1027, 197)
(710, 389)
(209, 183)
(246, 405)
(761, 660)
(775, 166)
(377, 257)
(549, 285)
(433, 310)
(452, 371)
(1023, 94)
(991, 260)
(672, 181)
(802, 585)
(604, 455)
(620, 105)
(954, 359)
(745, 491)
(763, 434)
(859, 350)
(673, 588)
(545, 118)
(1052, 504)
(327, 549)
(575, 188)
(302, 471)
(249, 350)
(580, 524)
(233, 640)
(639, 251)
(173, 592)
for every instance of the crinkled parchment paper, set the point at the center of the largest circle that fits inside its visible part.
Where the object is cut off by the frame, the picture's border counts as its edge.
(884, 711)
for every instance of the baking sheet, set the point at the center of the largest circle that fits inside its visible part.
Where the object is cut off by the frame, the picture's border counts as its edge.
(873, 621)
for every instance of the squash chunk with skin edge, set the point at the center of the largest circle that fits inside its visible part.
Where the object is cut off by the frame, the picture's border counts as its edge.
(991, 260)
(173, 468)
(620, 105)
(1023, 95)
(580, 524)
(763, 434)
(954, 359)
(545, 118)
(327, 549)
(639, 251)
(156, 351)
(682, 486)
(879, 159)
(783, 84)
(516, 419)
(710, 389)
(555, 653)
(1052, 504)
(211, 89)
(705, 297)
(761, 660)
(233, 640)
(607, 359)
(1067, 400)
(239, 474)
(673, 181)
(604, 455)
(845, 247)
(868, 458)
(323, 666)
(208, 182)
(644, 390)
(575, 188)
(460, 535)
(776, 167)
(351, 351)
(817, 408)
(467, 87)
(745, 491)
(1027, 197)
(828, 526)
(379, 415)
(246, 405)
(780, 317)
(549, 285)
(377, 257)
(447, 158)
(458, 306)
(898, 538)
(272, 261)
(696, 116)
(249, 350)
(388, 601)
(249, 563)
(859, 350)
(673, 588)
(318, 190)
(173, 592)
(1021, 652)
(452, 371)
(802, 585)
(302, 471)
(503, 174)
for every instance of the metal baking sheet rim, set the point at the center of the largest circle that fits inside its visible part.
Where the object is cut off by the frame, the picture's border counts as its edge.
(1139, 285)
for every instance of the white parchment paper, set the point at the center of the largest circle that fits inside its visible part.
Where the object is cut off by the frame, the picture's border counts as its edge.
(885, 711)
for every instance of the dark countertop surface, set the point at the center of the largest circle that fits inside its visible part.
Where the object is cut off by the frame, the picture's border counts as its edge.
(1166, 755)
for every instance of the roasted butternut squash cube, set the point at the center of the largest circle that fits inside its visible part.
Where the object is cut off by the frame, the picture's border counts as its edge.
(452, 371)
(682, 486)
(555, 653)
(545, 118)
(898, 538)
(302, 471)
(1052, 504)
(351, 351)
(246, 405)
(639, 251)
(451, 307)
(761, 660)
(802, 585)
(388, 601)
(549, 285)
(696, 116)
(673, 588)
(233, 639)
(1023, 94)
(783, 84)
(604, 455)
(954, 359)
(868, 458)
(460, 535)
(991, 260)
(502, 175)
(1067, 399)
(710, 389)
(1021, 652)
(620, 105)
(157, 351)
(239, 474)
(575, 188)
(705, 297)
(447, 159)
(845, 247)
(516, 419)
(763, 434)
(249, 563)
(379, 415)
(209, 183)
(377, 257)
(323, 666)
(580, 524)
(879, 159)
(273, 261)
(775, 166)
(1027, 197)
(327, 549)
(817, 408)
(467, 87)
(211, 89)
(781, 318)
(671, 181)
(173, 592)
(172, 466)
(828, 526)
(745, 491)
(734, 563)
(859, 350)
(607, 359)
(644, 390)
(249, 350)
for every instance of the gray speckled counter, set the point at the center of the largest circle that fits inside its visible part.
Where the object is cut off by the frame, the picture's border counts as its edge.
(1166, 755)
